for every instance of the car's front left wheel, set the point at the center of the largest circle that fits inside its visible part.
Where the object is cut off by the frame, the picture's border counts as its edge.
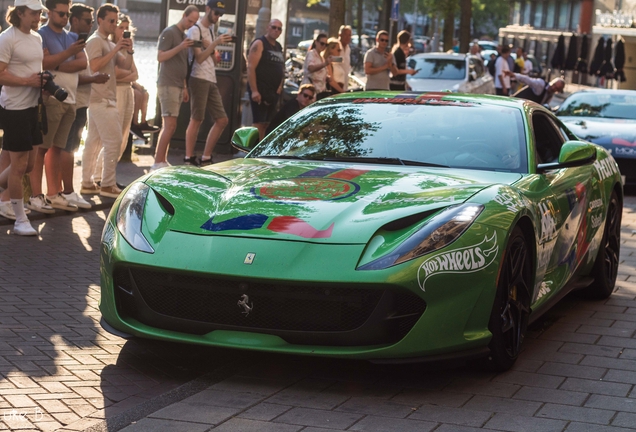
(511, 308)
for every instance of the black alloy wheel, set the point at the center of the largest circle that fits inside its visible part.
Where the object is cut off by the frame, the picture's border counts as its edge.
(511, 308)
(606, 263)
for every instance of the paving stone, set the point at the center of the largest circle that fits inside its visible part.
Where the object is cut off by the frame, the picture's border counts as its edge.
(565, 412)
(413, 397)
(481, 387)
(596, 386)
(586, 349)
(375, 406)
(318, 418)
(617, 342)
(459, 416)
(160, 425)
(264, 411)
(587, 427)
(245, 425)
(227, 399)
(612, 403)
(623, 419)
(383, 424)
(531, 379)
(195, 413)
(456, 428)
(572, 371)
(606, 331)
(516, 423)
(551, 395)
(262, 386)
(511, 406)
(308, 399)
(621, 376)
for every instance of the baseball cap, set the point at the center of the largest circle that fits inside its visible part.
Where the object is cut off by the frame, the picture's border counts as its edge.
(212, 4)
(31, 4)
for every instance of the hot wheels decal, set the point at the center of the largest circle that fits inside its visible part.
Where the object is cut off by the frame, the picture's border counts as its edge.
(548, 221)
(463, 260)
(506, 199)
(606, 167)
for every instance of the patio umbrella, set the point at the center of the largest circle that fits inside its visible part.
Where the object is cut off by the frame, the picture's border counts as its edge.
(558, 58)
(570, 60)
(581, 63)
(597, 60)
(607, 68)
(619, 61)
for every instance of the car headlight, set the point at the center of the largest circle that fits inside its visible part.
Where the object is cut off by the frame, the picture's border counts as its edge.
(438, 232)
(130, 214)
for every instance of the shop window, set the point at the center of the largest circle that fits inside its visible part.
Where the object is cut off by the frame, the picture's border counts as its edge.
(576, 15)
(526, 13)
(516, 13)
(550, 14)
(564, 16)
(538, 15)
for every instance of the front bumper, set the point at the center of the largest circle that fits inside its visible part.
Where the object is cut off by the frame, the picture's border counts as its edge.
(305, 298)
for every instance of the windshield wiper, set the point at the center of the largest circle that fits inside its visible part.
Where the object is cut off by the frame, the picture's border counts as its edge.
(384, 160)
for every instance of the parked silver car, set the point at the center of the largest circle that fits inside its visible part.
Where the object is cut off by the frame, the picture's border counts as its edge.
(462, 73)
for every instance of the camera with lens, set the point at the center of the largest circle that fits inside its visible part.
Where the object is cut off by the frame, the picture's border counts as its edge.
(55, 90)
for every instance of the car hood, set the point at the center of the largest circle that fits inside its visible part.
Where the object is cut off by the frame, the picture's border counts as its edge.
(426, 84)
(618, 135)
(308, 201)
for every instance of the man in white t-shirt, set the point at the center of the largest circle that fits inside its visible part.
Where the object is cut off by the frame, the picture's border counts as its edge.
(204, 93)
(345, 40)
(20, 66)
(502, 81)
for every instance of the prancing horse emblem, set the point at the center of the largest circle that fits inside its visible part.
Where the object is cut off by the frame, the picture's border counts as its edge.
(244, 303)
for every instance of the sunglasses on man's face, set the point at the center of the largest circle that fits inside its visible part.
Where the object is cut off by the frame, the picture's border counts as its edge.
(383, 40)
(217, 13)
(88, 21)
(277, 28)
(63, 14)
(307, 96)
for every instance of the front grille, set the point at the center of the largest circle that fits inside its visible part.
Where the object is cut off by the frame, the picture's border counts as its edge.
(198, 304)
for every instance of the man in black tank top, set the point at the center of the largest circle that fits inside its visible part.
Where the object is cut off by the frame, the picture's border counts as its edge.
(265, 73)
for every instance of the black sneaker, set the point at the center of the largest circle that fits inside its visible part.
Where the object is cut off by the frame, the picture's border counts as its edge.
(206, 162)
(148, 128)
(192, 160)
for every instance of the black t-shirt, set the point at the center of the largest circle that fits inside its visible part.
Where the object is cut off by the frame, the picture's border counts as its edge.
(270, 70)
(288, 110)
(400, 63)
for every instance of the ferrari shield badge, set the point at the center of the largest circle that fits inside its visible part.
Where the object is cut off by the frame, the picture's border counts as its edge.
(249, 258)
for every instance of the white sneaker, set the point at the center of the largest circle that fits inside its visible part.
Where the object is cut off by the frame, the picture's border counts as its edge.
(6, 210)
(59, 202)
(74, 198)
(159, 165)
(24, 229)
(40, 204)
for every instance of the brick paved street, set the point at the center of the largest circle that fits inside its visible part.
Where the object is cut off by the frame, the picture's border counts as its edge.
(60, 370)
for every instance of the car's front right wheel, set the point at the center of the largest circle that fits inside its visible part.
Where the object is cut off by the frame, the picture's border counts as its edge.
(511, 308)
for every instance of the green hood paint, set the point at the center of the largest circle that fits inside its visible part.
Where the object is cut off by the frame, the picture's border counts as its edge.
(306, 200)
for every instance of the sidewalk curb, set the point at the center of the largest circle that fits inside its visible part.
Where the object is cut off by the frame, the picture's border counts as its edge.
(104, 204)
(143, 410)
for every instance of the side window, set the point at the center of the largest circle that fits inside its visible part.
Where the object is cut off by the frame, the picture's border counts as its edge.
(547, 139)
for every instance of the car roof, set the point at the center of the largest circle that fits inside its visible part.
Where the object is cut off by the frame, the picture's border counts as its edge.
(398, 97)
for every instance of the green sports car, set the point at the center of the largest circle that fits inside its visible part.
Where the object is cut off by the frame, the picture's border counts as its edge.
(383, 226)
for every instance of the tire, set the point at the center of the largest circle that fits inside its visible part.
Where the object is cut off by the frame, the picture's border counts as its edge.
(511, 308)
(606, 264)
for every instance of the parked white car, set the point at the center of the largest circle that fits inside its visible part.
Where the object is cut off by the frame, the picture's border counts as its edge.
(461, 73)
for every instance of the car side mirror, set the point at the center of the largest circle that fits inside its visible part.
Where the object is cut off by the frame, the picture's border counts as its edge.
(573, 154)
(245, 139)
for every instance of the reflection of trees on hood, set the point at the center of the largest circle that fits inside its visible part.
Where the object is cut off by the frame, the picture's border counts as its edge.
(336, 130)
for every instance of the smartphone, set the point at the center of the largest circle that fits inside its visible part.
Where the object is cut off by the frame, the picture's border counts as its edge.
(197, 44)
(126, 35)
(233, 40)
(82, 37)
(336, 59)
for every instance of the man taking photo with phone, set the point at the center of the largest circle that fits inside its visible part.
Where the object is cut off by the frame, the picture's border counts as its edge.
(64, 57)
(265, 73)
(172, 85)
(103, 118)
(204, 93)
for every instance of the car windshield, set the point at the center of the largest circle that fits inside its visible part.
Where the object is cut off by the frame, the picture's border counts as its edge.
(425, 132)
(599, 105)
(436, 68)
